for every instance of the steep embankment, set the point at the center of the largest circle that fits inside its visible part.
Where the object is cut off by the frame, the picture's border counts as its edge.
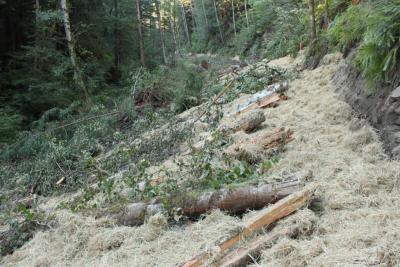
(381, 105)
(356, 221)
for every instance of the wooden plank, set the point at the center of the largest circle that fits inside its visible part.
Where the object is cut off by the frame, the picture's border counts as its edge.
(272, 99)
(266, 217)
(246, 253)
(264, 102)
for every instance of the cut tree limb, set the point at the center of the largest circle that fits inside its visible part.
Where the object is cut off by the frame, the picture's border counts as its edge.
(265, 218)
(235, 201)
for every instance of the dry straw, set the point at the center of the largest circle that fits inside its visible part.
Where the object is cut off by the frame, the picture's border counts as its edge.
(358, 222)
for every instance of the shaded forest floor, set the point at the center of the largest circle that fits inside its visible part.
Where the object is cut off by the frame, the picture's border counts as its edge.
(356, 221)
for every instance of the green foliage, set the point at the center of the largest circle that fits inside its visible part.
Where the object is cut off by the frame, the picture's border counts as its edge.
(375, 25)
(22, 222)
(277, 27)
(348, 28)
(289, 32)
(378, 56)
(189, 96)
(10, 123)
(255, 80)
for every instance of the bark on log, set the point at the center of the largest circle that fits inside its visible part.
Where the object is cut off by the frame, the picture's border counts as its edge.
(250, 121)
(247, 122)
(235, 201)
(268, 216)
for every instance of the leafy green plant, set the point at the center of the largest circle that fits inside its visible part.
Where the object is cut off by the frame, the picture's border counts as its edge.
(290, 32)
(378, 56)
(348, 28)
(10, 123)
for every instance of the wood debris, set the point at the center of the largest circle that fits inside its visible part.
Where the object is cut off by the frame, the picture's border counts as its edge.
(262, 96)
(235, 201)
(252, 148)
(265, 218)
(245, 254)
(61, 180)
(267, 101)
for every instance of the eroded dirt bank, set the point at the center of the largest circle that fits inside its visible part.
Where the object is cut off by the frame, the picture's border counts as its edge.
(380, 105)
(357, 222)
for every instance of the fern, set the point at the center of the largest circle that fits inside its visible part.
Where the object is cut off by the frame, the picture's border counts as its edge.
(378, 55)
(348, 28)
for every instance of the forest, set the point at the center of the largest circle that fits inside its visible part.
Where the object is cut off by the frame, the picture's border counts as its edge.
(127, 124)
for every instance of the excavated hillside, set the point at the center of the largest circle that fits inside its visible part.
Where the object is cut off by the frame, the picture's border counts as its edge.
(354, 219)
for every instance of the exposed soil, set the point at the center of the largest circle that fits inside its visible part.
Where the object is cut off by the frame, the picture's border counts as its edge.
(376, 104)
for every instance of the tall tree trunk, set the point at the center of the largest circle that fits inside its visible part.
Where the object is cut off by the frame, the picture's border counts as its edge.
(311, 4)
(205, 14)
(185, 23)
(37, 10)
(327, 12)
(78, 78)
(116, 71)
(140, 31)
(245, 11)
(171, 25)
(161, 31)
(218, 23)
(233, 17)
(192, 8)
(176, 27)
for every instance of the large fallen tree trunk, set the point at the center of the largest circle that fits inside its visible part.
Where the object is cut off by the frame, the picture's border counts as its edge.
(234, 201)
(268, 216)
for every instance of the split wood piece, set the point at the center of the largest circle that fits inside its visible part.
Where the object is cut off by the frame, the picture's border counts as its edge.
(253, 149)
(265, 102)
(263, 95)
(235, 201)
(281, 136)
(248, 252)
(266, 141)
(61, 180)
(270, 101)
(266, 217)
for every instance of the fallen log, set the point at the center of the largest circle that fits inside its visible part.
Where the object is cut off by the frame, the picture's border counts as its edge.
(237, 201)
(266, 217)
(246, 122)
(234, 201)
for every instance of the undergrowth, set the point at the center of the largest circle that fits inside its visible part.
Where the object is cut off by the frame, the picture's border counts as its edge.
(375, 27)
